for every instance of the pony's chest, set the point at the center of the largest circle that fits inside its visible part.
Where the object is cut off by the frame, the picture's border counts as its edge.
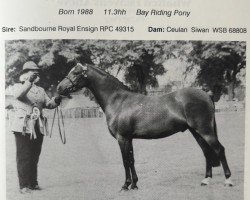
(119, 125)
(112, 122)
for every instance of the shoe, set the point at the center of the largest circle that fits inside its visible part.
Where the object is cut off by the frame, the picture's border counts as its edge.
(35, 187)
(25, 190)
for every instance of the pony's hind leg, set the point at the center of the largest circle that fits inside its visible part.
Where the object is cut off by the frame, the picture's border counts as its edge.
(208, 175)
(227, 172)
(220, 151)
(216, 147)
(200, 118)
(206, 151)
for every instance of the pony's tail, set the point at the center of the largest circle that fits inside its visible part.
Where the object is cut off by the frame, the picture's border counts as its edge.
(215, 127)
(211, 155)
(215, 161)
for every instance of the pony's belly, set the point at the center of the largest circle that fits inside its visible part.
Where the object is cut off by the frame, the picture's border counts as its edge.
(159, 130)
(153, 135)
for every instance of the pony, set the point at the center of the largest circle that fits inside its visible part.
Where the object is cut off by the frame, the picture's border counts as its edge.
(131, 115)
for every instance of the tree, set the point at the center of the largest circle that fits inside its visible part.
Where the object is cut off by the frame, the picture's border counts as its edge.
(220, 63)
(143, 72)
(56, 58)
(142, 62)
(53, 56)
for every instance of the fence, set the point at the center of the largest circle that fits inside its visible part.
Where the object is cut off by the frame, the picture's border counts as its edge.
(83, 113)
(79, 112)
(96, 112)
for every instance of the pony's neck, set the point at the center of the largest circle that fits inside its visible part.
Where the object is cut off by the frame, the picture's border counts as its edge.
(102, 85)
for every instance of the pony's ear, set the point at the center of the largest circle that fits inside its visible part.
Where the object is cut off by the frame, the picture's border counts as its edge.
(82, 66)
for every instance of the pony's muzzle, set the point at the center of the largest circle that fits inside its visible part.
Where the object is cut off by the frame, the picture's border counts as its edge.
(61, 91)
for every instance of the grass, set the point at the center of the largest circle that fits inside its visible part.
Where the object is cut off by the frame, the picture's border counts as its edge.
(90, 167)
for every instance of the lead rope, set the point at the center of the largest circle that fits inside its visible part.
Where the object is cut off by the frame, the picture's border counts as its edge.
(61, 130)
(62, 133)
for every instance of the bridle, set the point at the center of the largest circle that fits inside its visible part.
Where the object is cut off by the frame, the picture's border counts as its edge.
(74, 85)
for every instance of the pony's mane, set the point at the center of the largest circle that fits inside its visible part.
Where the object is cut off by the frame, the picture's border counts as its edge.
(111, 78)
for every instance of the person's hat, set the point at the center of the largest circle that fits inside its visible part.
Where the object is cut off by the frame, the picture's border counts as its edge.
(30, 65)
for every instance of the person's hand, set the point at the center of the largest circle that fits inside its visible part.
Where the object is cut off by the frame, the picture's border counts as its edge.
(58, 99)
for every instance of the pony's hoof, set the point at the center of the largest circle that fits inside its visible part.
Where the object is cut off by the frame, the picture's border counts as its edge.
(134, 187)
(228, 183)
(124, 188)
(205, 181)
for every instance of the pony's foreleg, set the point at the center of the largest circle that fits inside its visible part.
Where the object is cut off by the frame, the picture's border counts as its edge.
(132, 166)
(128, 162)
(124, 146)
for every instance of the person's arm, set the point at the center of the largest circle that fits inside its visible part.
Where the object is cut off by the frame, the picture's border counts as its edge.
(22, 89)
(53, 102)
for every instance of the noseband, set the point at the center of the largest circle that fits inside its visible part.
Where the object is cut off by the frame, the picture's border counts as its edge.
(74, 85)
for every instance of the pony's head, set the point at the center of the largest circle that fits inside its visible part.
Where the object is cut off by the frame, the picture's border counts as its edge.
(75, 80)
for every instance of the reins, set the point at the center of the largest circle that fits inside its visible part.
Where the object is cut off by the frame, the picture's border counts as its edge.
(58, 111)
(62, 133)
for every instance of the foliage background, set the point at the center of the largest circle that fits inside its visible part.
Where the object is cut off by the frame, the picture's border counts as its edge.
(216, 66)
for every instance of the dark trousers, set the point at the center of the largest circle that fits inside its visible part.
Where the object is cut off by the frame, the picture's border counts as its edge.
(27, 157)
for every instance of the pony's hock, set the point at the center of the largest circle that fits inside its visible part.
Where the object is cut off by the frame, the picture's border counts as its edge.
(131, 115)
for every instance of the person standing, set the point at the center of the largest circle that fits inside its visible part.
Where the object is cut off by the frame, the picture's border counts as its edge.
(29, 125)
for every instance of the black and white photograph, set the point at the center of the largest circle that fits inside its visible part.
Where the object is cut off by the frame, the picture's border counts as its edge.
(125, 119)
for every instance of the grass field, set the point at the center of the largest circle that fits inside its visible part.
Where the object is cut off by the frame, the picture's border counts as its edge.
(90, 167)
